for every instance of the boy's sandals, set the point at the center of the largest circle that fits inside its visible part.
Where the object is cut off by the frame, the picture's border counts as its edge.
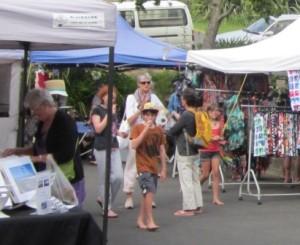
(184, 213)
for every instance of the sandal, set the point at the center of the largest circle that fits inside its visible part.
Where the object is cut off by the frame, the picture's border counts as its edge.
(198, 210)
(183, 213)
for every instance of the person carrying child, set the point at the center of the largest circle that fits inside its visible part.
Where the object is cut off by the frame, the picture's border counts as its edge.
(149, 142)
(210, 155)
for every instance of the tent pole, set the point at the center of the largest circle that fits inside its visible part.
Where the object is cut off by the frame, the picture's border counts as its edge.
(109, 142)
(23, 90)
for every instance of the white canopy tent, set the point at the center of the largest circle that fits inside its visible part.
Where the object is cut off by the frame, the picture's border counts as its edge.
(278, 53)
(60, 25)
(56, 24)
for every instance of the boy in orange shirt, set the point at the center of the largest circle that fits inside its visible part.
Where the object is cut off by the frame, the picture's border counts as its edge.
(149, 142)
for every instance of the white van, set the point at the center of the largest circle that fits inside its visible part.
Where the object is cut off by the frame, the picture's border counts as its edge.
(170, 21)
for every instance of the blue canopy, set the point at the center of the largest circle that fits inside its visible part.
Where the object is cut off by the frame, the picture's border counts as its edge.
(132, 48)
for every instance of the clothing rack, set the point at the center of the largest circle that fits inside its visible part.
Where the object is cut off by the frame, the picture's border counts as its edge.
(217, 90)
(250, 173)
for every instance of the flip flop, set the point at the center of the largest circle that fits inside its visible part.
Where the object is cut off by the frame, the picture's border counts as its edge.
(183, 213)
(198, 210)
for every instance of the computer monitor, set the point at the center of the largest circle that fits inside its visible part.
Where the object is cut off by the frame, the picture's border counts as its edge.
(20, 174)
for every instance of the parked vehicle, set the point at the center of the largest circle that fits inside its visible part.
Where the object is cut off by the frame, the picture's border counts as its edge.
(260, 29)
(170, 21)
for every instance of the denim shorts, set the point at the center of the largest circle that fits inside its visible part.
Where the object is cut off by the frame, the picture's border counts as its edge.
(207, 156)
(147, 182)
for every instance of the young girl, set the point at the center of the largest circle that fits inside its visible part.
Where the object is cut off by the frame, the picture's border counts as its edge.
(210, 155)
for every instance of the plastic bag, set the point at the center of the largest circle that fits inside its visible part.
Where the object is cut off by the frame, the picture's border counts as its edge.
(61, 188)
(124, 128)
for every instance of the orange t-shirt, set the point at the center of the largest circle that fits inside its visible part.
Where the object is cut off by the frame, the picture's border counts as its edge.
(147, 153)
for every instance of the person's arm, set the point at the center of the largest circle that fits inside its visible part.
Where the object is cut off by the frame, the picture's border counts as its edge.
(99, 123)
(131, 111)
(162, 155)
(179, 125)
(131, 120)
(136, 141)
(19, 151)
(99, 120)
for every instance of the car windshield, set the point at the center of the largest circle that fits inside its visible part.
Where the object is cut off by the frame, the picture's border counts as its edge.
(259, 26)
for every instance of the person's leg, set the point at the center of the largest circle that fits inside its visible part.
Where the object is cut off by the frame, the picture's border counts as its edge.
(141, 216)
(287, 165)
(150, 223)
(215, 163)
(297, 177)
(130, 173)
(197, 189)
(205, 170)
(185, 168)
(100, 159)
(79, 188)
(116, 174)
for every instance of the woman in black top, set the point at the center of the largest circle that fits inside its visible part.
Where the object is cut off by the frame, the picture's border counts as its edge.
(57, 135)
(99, 122)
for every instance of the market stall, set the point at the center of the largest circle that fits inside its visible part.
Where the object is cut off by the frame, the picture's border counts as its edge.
(58, 25)
(279, 53)
(132, 49)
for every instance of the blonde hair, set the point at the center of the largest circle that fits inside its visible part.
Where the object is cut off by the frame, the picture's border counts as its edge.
(145, 76)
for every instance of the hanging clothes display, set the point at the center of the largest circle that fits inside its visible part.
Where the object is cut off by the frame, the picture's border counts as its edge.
(209, 97)
(279, 131)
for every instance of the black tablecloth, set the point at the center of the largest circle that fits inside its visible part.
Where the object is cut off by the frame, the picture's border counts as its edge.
(75, 227)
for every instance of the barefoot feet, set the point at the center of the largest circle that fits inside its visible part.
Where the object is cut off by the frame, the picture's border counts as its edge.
(218, 202)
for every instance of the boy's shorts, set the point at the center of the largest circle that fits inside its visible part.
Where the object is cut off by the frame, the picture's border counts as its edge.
(207, 156)
(147, 182)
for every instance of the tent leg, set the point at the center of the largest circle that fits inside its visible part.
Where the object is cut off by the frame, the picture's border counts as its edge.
(108, 145)
(23, 90)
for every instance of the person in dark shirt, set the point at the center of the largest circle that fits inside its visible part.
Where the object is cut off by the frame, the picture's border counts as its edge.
(57, 135)
(187, 156)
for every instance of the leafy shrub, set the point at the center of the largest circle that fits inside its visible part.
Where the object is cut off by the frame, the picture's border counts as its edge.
(232, 43)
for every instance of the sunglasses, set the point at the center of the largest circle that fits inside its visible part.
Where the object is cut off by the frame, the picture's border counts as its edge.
(146, 82)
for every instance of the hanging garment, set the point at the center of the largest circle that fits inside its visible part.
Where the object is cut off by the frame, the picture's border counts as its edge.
(260, 136)
(294, 89)
(235, 125)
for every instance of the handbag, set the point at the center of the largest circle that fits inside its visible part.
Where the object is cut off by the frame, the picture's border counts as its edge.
(124, 128)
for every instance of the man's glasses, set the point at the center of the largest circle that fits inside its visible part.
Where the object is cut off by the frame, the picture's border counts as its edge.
(145, 82)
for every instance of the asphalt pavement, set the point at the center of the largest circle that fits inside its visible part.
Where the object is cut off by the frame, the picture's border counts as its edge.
(275, 222)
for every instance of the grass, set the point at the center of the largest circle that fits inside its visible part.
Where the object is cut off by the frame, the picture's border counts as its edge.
(227, 25)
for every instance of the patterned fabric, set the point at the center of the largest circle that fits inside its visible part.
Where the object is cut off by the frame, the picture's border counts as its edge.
(142, 97)
(235, 125)
(260, 136)
(282, 133)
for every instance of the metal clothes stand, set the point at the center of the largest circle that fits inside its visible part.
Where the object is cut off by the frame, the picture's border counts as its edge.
(250, 173)
(222, 182)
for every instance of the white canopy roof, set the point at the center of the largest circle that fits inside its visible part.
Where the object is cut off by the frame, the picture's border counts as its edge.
(57, 24)
(278, 53)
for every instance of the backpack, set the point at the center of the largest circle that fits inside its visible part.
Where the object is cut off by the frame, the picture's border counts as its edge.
(203, 129)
